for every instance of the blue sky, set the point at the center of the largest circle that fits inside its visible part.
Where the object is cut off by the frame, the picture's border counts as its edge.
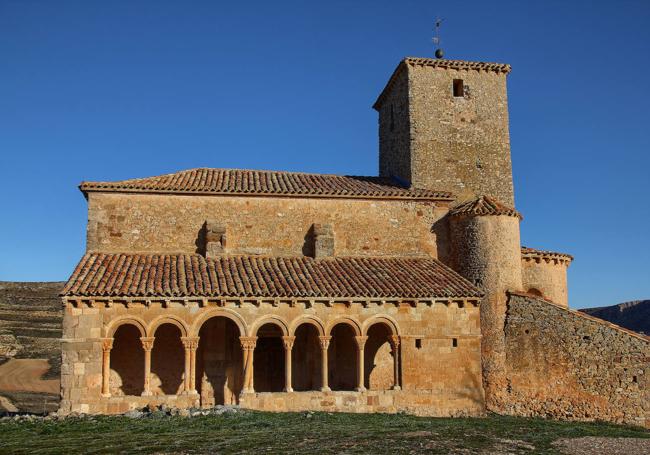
(94, 90)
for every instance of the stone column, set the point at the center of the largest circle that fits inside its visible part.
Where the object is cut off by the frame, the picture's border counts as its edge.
(288, 346)
(147, 345)
(394, 344)
(248, 347)
(361, 343)
(107, 345)
(324, 346)
(190, 344)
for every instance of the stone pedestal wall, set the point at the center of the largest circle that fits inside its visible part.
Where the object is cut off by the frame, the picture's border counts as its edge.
(567, 365)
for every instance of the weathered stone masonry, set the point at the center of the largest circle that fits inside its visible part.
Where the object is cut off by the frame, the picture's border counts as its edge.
(290, 291)
(565, 364)
(389, 354)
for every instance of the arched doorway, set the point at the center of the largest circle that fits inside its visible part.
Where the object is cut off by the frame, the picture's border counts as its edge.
(167, 361)
(342, 358)
(127, 362)
(379, 358)
(306, 359)
(219, 375)
(269, 359)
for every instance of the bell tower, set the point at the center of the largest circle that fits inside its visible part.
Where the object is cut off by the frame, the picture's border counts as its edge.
(443, 125)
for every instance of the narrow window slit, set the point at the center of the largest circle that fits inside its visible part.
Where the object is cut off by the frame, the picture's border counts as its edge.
(459, 89)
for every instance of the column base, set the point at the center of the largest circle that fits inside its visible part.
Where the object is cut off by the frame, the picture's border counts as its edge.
(146, 393)
(106, 395)
(325, 389)
(288, 390)
(360, 389)
(189, 392)
(396, 387)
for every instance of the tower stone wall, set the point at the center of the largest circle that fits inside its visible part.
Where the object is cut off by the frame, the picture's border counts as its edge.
(486, 252)
(443, 124)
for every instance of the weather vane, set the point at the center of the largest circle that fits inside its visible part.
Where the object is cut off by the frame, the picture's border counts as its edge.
(436, 38)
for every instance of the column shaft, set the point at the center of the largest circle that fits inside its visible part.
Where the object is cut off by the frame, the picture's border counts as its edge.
(190, 344)
(324, 346)
(147, 345)
(248, 347)
(394, 342)
(361, 343)
(288, 346)
(107, 345)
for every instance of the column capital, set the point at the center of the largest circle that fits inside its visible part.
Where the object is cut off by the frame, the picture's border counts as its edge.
(248, 343)
(190, 342)
(107, 344)
(147, 343)
(361, 341)
(324, 341)
(288, 342)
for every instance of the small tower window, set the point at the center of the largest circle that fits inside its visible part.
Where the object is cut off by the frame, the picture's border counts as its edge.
(418, 343)
(392, 118)
(454, 342)
(459, 89)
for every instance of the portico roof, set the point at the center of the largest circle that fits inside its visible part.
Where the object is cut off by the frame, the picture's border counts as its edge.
(187, 275)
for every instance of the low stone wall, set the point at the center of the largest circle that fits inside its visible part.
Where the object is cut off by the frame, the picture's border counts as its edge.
(417, 402)
(567, 365)
(120, 405)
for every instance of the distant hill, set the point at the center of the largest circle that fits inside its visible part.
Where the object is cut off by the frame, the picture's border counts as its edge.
(30, 350)
(633, 315)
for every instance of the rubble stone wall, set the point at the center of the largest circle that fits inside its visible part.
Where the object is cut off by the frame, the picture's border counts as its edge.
(265, 225)
(567, 365)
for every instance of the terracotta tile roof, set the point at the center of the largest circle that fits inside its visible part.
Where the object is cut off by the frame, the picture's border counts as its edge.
(185, 275)
(532, 253)
(440, 63)
(482, 206)
(256, 183)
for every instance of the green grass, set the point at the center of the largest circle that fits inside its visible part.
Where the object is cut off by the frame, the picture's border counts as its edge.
(323, 433)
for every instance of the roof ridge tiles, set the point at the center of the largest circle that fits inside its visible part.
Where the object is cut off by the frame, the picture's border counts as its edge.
(260, 182)
(484, 206)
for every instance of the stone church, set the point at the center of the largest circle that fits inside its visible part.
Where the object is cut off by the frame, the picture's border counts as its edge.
(407, 291)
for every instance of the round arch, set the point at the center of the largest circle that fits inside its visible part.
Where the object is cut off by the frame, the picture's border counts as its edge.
(219, 312)
(344, 320)
(167, 319)
(306, 319)
(269, 319)
(113, 325)
(381, 319)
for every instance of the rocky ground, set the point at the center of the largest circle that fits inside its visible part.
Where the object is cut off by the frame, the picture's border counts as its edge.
(30, 354)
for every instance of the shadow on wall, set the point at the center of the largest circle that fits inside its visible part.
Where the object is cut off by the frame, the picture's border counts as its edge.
(219, 362)
(201, 239)
(472, 388)
(440, 229)
(167, 361)
(308, 246)
(127, 362)
(378, 359)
